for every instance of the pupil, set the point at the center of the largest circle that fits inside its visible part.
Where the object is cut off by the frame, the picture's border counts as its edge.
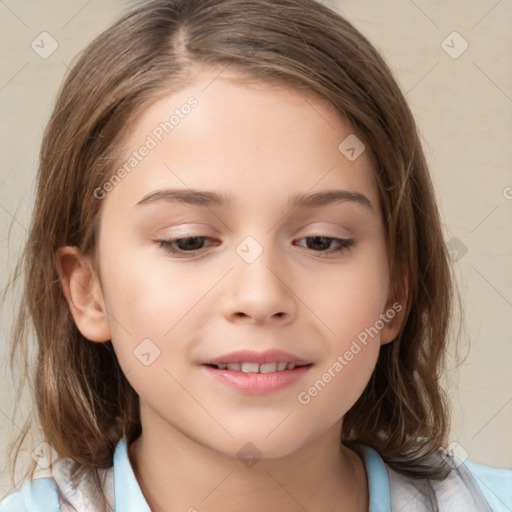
(326, 243)
(188, 243)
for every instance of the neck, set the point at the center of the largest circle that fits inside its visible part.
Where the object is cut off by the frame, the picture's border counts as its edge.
(177, 473)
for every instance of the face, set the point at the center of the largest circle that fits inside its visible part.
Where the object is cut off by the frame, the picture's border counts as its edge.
(189, 283)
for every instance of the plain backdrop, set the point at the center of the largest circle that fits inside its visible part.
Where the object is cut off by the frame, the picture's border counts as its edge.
(451, 59)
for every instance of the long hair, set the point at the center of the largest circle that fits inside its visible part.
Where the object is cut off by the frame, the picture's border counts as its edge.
(84, 403)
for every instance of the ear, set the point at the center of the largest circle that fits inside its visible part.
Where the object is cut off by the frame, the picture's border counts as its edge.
(396, 307)
(82, 289)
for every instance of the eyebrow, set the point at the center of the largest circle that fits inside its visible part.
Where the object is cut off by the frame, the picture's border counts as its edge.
(215, 199)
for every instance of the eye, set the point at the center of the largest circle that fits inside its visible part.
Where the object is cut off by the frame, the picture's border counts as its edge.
(188, 246)
(324, 242)
(182, 246)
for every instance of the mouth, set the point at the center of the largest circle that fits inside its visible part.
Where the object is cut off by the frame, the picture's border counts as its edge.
(253, 373)
(248, 367)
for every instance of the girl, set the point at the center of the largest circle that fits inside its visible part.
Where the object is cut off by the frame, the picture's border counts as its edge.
(237, 276)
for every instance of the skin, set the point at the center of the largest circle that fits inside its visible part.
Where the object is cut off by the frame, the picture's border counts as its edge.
(260, 144)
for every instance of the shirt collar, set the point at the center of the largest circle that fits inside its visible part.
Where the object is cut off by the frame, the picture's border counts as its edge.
(378, 480)
(129, 497)
(127, 494)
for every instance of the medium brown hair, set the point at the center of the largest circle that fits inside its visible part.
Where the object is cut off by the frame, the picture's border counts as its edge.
(85, 404)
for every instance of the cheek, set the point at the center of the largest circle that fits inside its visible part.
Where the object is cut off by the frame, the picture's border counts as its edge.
(350, 303)
(149, 314)
(349, 298)
(351, 349)
(148, 299)
(335, 388)
(149, 309)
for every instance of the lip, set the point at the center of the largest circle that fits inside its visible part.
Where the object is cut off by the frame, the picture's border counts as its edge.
(250, 356)
(256, 383)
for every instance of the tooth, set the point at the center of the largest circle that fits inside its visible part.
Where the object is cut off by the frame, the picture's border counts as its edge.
(281, 366)
(250, 367)
(290, 366)
(268, 368)
(234, 367)
(222, 366)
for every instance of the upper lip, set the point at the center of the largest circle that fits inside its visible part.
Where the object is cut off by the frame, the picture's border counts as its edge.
(250, 356)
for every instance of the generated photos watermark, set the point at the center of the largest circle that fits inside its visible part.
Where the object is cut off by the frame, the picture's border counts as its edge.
(305, 397)
(152, 140)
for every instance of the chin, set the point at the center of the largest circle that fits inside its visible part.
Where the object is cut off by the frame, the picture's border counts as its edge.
(256, 443)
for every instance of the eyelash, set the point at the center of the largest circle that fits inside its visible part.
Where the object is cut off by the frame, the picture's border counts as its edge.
(168, 245)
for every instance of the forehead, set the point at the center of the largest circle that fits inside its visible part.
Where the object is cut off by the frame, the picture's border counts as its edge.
(253, 139)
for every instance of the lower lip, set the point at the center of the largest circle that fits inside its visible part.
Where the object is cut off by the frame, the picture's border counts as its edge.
(257, 383)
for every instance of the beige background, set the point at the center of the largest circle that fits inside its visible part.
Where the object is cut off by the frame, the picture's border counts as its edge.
(463, 107)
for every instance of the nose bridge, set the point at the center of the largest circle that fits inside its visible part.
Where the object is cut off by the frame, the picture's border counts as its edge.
(258, 264)
(260, 288)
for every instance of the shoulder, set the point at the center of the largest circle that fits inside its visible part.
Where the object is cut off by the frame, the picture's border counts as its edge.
(495, 484)
(468, 487)
(39, 495)
(53, 491)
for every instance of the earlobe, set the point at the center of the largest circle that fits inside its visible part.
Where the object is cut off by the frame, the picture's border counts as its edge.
(396, 309)
(82, 290)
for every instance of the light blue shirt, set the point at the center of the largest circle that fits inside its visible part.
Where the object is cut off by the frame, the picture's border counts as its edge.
(389, 491)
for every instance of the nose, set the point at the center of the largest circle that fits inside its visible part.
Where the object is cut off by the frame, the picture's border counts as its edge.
(260, 291)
